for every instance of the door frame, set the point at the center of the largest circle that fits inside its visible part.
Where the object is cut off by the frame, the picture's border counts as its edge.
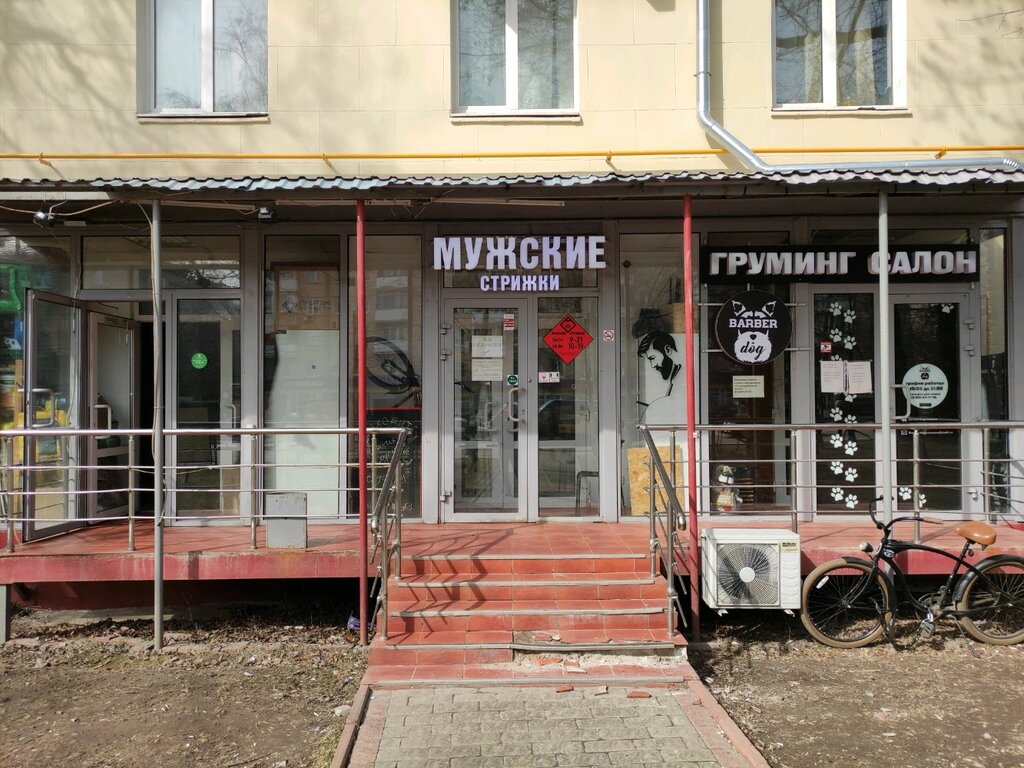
(966, 294)
(527, 507)
(969, 348)
(87, 314)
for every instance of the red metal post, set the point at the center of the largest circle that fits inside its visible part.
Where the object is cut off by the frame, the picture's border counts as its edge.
(691, 418)
(364, 544)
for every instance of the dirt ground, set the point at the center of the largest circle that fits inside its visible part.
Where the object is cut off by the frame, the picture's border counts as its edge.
(803, 704)
(246, 690)
(252, 688)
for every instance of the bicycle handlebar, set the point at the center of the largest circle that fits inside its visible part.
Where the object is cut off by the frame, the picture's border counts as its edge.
(873, 505)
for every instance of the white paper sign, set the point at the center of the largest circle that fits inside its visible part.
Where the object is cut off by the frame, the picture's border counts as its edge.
(858, 377)
(747, 386)
(487, 369)
(488, 346)
(833, 376)
(549, 377)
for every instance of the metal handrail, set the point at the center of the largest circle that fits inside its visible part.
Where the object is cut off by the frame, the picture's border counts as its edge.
(996, 486)
(665, 527)
(10, 493)
(387, 524)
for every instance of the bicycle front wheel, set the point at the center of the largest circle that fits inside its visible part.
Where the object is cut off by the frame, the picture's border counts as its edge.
(846, 603)
(992, 601)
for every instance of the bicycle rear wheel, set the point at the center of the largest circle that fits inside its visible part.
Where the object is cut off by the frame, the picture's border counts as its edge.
(846, 603)
(993, 601)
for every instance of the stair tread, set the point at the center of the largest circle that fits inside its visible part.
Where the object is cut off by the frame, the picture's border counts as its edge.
(609, 638)
(528, 607)
(526, 579)
(455, 556)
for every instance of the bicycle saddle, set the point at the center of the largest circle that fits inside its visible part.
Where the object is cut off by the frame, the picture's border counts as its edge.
(979, 533)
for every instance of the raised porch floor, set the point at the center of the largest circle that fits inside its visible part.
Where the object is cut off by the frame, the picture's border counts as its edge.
(99, 553)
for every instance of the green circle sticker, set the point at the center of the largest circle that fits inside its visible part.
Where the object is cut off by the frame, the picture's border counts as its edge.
(200, 361)
(512, 380)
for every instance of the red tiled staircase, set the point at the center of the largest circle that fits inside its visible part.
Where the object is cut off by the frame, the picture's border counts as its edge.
(474, 599)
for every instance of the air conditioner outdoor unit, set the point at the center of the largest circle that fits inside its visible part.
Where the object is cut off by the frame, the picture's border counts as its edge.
(750, 568)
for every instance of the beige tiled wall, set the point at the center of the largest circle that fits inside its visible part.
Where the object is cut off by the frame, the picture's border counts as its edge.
(353, 76)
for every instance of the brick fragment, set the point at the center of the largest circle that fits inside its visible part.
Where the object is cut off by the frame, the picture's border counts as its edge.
(563, 689)
(638, 695)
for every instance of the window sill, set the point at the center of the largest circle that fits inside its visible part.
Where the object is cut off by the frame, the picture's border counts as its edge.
(211, 117)
(811, 111)
(517, 116)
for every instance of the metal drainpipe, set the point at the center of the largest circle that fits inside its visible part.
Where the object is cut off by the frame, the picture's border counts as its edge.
(752, 161)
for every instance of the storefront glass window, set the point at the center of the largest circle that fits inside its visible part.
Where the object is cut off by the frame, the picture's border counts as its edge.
(394, 360)
(652, 383)
(302, 368)
(758, 460)
(994, 378)
(186, 262)
(43, 263)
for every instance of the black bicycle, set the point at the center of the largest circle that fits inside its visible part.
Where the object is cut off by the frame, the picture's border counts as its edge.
(850, 602)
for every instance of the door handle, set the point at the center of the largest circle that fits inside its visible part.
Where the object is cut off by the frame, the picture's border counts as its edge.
(905, 416)
(513, 404)
(51, 398)
(96, 425)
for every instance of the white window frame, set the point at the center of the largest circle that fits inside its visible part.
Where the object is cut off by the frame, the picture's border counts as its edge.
(512, 69)
(148, 106)
(829, 96)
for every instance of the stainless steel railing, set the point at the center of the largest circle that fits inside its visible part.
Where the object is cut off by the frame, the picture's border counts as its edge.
(983, 468)
(667, 519)
(61, 474)
(386, 524)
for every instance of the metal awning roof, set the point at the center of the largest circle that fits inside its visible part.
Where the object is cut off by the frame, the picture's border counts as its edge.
(698, 183)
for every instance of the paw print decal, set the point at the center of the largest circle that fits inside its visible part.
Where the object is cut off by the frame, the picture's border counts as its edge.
(851, 447)
(851, 474)
(851, 501)
(838, 493)
(837, 467)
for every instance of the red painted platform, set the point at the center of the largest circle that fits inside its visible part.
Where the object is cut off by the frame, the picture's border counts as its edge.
(99, 553)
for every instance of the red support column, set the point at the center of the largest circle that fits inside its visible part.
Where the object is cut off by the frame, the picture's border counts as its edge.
(364, 554)
(691, 418)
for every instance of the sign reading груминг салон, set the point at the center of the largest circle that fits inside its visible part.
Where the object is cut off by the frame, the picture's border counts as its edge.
(515, 258)
(848, 264)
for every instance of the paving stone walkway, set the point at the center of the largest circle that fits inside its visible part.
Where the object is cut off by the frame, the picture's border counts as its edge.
(537, 727)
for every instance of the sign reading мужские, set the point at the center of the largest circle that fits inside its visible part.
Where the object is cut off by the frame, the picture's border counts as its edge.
(519, 263)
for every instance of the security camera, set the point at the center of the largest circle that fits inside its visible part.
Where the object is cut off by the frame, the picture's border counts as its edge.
(44, 218)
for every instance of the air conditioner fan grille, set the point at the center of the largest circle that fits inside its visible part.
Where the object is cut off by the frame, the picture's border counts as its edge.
(748, 574)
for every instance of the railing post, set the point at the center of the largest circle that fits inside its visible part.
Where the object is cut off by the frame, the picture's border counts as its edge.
(11, 498)
(651, 511)
(131, 493)
(916, 436)
(794, 445)
(397, 460)
(374, 491)
(253, 491)
(986, 490)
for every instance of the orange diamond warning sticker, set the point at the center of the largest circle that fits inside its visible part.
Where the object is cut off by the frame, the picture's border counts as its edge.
(567, 339)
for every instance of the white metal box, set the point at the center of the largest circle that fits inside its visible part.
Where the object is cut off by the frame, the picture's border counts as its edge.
(750, 568)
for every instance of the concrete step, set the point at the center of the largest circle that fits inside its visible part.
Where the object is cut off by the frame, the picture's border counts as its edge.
(560, 586)
(523, 615)
(522, 564)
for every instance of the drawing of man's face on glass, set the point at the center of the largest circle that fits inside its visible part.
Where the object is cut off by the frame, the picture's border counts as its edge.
(659, 349)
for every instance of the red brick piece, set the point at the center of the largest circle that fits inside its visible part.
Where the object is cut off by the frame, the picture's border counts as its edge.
(638, 695)
(564, 689)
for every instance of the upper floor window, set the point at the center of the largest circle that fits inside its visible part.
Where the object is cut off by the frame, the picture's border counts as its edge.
(208, 56)
(515, 55)
(840, 53)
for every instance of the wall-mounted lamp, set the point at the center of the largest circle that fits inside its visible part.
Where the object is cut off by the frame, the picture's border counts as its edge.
(266, 215)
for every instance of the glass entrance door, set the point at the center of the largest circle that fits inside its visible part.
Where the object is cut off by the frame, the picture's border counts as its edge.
(520, 400)
(932, 355)
(484, 396)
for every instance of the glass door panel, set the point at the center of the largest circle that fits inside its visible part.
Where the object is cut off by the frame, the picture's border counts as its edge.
(568, 455)
(485, 392)
(113, 382)
(927, 365)
(50, 399)
(208, 396)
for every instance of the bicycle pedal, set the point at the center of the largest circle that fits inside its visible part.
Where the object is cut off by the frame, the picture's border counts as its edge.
(926, 630)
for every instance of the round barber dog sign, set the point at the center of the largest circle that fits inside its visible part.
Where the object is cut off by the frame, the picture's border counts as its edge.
(925, 386)
(753, 327)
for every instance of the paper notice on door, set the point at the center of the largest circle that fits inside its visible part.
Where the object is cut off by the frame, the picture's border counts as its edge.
(748, 386)
(858, 377)
(488, 346)
(487, 369)
(833, 376)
